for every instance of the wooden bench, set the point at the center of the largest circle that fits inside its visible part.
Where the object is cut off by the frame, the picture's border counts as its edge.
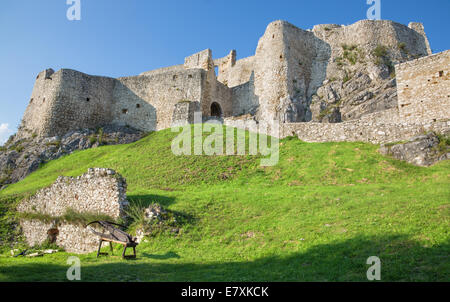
(110, 233)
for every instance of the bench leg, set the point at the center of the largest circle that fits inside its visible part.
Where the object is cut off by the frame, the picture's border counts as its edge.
(111, 247)
(124, 250)
(99, 248)
(134, 251)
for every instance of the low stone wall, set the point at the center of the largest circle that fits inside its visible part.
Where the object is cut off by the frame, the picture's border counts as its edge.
(363, 130)
(98, 192)
(377, 128)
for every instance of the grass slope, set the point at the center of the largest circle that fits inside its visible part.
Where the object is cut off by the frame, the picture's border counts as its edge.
(316, 216)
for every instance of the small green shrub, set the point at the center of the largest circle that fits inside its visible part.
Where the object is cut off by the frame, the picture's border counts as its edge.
(100, 136)
(402, 46)
(4, 180)
(70, 216)
(444, 143)
(135, 213)
(180, 102)
(347, 77)
(56, 144)
(380, 51)
(349, 47)
(19, 148)
(351, 53)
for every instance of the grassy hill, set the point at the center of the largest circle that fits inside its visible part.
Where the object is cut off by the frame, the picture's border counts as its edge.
(316, 216)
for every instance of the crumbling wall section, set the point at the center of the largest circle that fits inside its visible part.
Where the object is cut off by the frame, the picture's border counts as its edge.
(97, 192)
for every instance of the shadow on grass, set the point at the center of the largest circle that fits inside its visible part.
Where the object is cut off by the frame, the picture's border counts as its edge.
(402, 260)
(168, 255)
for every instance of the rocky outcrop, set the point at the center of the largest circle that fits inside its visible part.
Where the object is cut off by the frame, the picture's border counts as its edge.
(21, 157)
(423, 150)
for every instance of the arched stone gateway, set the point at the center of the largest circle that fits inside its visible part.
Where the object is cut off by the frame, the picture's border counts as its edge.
(216, 110)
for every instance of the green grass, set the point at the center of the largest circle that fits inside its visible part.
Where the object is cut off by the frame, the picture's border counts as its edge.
(316, 216)
(70, 216)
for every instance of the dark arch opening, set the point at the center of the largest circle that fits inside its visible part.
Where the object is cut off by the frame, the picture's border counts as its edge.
(216, 111)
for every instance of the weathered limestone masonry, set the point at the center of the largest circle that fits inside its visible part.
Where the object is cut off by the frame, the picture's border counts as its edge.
(291, 64)
(424, 88)
(376, 128)
(67, 100)
(328, 74)
(99, 191)
(70, 100)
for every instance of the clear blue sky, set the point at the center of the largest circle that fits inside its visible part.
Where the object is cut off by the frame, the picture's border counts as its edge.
(126, 37)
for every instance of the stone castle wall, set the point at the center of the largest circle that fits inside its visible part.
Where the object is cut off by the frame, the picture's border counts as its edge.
(67, 100)
(81, 101)
(279, 82)
(376, 128)
(424, 88)
(99, 191)
(290, 64)
(147, 102)
(40, 107)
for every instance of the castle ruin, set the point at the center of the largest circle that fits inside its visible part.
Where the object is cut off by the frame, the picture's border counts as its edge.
(371, 81)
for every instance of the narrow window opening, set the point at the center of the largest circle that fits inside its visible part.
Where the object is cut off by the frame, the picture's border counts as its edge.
(124, 111)
(88, 99)
(441, 73)
(138, 105)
